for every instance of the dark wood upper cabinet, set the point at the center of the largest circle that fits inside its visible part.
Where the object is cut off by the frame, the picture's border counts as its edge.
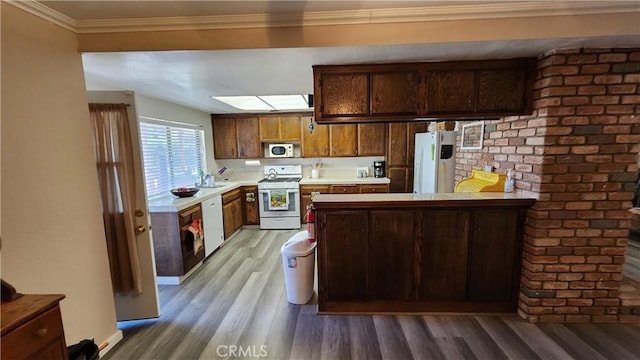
(281, 127)
(450, 92)
(343, 140)
(394, 93)
(399, 179)
(316, 143)
(225, 145)
(501, 90)
(248, 135)
(345, 94)
(269, 128)
(397, 144)
(411, 91)
(400, 151)
(290, 127)
(236, 137)
(371, 139)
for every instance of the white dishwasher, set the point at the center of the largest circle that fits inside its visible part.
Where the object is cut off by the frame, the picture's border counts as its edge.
(212, 224)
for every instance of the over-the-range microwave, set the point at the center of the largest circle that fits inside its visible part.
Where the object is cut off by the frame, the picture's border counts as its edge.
(280, 150)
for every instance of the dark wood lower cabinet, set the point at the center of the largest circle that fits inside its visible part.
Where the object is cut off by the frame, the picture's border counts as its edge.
(349, 234)
(232, 210)
(250, 210)
(494, 251)
(392, 248)
(399, 177)
(173, 243)
(445, 255)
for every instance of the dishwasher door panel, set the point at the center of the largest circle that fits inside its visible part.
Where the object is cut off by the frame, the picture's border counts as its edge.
(212, 223)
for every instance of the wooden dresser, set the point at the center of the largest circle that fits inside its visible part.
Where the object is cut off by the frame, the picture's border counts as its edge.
(32, 328)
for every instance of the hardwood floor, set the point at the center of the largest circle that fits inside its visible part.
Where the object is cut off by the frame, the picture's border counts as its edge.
(235, 306)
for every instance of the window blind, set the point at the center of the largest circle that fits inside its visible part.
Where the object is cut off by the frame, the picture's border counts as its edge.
(173, 155)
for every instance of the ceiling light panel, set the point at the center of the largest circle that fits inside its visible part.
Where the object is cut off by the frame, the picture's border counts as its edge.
(266, 103)
(244, 102)
(286, 102)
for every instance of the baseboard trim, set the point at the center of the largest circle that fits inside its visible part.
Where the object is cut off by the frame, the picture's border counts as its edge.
(111, 342)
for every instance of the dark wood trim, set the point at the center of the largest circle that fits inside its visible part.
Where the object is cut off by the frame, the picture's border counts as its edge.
(423, 66)
(319, 204)
(411, 307)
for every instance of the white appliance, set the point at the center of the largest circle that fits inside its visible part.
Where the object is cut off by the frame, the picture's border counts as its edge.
(280, 150)
(212, 224)
(434, 162)
(279, 197)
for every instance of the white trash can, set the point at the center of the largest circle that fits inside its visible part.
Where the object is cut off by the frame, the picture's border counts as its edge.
(298, 260)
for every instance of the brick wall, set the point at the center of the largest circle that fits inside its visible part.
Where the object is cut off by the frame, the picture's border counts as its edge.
(577, 155)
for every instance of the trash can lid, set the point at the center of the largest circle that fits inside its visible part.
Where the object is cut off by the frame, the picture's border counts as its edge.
(298, 245)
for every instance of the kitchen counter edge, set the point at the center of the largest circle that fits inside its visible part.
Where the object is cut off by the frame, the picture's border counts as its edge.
(415, 200)
(172, 203)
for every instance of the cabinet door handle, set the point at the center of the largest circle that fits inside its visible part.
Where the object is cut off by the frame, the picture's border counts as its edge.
(40, 333)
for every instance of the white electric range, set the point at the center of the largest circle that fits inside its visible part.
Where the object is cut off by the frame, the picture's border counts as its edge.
(279, 197)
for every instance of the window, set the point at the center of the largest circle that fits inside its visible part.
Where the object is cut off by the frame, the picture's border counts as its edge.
(173, 154)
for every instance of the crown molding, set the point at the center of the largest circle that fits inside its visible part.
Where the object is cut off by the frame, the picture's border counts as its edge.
(347, 17)
(44, 12)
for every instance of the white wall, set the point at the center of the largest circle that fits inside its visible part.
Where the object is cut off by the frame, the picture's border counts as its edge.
(52, 231)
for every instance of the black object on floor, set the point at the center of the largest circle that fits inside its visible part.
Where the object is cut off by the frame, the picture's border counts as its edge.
(84, 350)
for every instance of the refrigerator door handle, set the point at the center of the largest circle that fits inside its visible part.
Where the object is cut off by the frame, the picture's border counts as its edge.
(433, 152)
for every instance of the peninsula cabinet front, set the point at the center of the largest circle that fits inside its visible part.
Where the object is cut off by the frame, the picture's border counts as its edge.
(418, 259)
(174, 244)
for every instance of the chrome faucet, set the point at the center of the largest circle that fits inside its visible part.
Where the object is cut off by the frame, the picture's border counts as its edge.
(205, 179)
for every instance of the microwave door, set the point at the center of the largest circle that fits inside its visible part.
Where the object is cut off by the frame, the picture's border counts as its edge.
(278, 150)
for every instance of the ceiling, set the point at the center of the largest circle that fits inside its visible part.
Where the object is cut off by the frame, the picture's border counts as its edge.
(190, 78)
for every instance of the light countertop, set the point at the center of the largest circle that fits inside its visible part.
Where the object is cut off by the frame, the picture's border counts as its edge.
(171, 203)
(403, 197)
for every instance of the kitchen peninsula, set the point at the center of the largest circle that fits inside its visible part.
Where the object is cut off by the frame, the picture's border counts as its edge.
(217, 212)
(456, 252)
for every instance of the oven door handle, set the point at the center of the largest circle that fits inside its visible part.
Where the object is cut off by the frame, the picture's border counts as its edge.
(289, 191)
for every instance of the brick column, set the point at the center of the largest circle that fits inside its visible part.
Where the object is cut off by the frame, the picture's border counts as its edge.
(577, 155)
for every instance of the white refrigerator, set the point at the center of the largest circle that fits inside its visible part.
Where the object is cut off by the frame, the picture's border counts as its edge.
(434, 162)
